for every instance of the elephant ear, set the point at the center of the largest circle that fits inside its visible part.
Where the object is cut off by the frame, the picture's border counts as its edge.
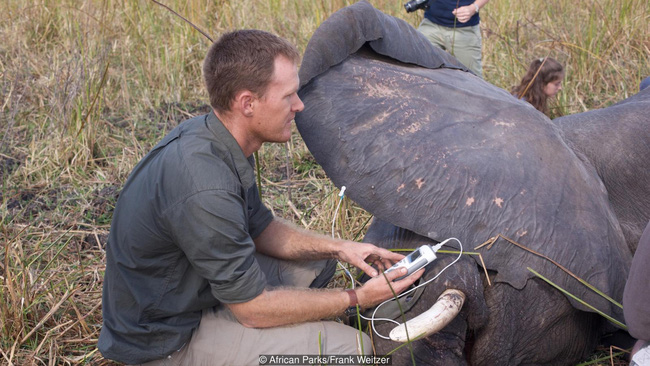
(361, 24)
(616, 142)
(442, 153)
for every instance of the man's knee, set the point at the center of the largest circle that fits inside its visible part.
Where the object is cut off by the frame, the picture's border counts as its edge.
(296, 273)
(367, 344)
(325, 274)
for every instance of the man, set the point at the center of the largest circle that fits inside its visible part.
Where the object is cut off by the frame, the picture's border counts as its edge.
(453, 25)
(195, 261)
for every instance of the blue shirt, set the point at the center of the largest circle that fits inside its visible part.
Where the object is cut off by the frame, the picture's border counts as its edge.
(440, 12)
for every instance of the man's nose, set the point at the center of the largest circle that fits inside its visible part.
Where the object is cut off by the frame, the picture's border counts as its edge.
(298, 105)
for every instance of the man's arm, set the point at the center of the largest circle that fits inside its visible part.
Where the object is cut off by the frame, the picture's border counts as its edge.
(283, 240)
(284, 306)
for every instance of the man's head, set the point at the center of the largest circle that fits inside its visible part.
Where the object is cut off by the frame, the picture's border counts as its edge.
(243, 60)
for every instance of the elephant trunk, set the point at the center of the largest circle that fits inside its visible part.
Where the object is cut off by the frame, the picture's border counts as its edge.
(433, 320)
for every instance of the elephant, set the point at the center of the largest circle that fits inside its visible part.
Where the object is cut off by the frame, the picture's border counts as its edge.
(615, 141)
(434, 152)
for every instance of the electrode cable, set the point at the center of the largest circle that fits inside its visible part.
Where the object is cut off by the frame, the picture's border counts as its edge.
(372, 318)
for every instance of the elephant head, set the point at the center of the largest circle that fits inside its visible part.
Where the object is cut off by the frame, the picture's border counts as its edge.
(434, 152)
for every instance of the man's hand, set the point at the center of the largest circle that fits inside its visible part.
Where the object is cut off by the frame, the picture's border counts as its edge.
(378, 289)
(358, 254)
(464, 13)
(286, 305)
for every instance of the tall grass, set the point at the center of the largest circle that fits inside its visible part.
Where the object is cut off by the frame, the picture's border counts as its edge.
(88, 86)
(604, 46)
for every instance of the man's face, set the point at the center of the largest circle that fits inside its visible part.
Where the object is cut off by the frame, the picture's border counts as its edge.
(277, 108)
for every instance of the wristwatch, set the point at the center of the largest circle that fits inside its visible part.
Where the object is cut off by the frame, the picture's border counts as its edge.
(476, 6)
(354, 301)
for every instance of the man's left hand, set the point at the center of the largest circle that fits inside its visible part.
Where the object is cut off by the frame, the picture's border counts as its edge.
(360, 254)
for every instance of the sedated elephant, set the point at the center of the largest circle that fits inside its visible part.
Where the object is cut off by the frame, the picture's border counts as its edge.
(615, 141)
(434, 152)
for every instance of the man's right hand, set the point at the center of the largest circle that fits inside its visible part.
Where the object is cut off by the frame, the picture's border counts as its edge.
(378, 288)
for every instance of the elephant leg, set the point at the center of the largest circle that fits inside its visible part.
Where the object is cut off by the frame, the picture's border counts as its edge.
(533, 326)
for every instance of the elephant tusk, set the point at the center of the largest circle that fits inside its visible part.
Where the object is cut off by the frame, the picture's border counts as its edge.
(437, 317)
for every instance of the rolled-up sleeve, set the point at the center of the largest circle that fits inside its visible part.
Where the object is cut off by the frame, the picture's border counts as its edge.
(212, 229)
(258, 214)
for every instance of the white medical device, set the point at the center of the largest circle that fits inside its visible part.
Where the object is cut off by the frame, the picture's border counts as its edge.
(417, 259)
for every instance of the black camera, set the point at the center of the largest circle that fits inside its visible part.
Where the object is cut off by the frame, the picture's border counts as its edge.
(414, 5)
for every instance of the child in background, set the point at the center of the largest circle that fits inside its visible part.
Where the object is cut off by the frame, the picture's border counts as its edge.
(542, 81)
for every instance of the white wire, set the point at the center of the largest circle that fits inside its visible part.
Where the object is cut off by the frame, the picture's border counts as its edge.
(336, 212)
(372, 318)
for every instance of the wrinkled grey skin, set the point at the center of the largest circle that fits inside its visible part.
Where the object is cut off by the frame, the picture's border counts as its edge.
(498, 325)
(435, 152)
(615, 141)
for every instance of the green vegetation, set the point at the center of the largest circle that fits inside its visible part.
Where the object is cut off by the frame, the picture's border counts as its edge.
(88, 87)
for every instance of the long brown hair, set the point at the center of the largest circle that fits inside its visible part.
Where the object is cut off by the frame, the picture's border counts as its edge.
(531, 88)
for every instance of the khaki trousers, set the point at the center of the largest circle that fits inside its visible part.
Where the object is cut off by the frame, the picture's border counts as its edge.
(463, 43)
(221, 340)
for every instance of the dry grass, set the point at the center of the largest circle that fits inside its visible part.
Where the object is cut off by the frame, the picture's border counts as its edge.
(87, 87)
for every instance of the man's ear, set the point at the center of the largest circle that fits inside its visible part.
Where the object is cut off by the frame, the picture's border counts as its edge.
(243, 102)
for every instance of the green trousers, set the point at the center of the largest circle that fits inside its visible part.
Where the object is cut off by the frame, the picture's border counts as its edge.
(221, 340)
(463, 43)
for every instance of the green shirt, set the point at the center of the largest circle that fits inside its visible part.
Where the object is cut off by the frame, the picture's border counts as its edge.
(181, 240)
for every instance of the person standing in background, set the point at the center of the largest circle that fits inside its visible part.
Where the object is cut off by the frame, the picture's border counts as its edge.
(453, 25)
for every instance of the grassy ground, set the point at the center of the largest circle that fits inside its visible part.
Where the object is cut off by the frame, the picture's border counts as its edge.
(87, 87)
